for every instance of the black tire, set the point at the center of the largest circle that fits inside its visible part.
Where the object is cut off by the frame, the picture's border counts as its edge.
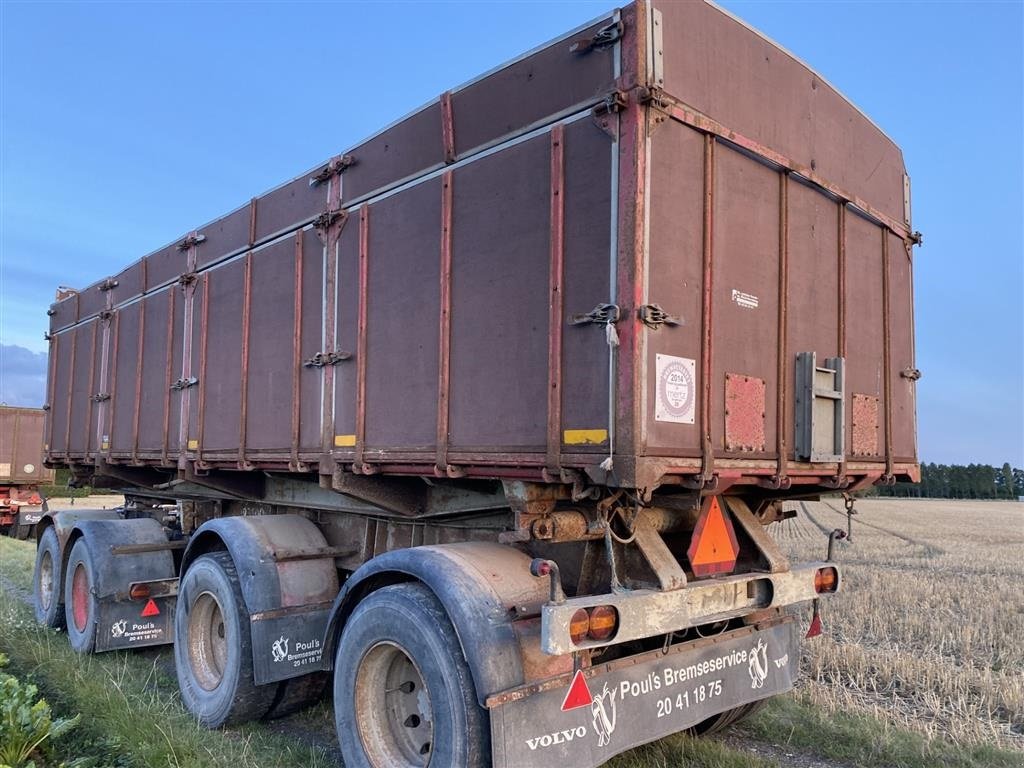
(81, 608)
(723, 720)
(47, 582)
(398, 634)
(213, 646)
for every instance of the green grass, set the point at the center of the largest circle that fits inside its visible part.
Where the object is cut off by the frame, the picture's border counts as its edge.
(866, 742)
(132, 714)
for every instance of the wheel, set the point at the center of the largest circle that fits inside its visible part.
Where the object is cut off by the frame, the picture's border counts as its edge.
(46, 582)
(723, 720)
(213, 645)
(81, 608)
(403, 693)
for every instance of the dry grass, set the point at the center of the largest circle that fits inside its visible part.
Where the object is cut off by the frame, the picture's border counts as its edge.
(928, 631)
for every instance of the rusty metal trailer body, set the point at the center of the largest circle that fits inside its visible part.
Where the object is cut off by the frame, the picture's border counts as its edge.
(21, 468)
(534, 368)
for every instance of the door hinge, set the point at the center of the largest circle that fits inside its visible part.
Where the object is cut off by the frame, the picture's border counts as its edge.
(335, 166)
(190, 240)
(320, 359)
(185, 383)
(605, 37)
(108, 285)
(327, 218)
(653, 316)
(100, 397)
(602, 314)
(616, 101)
(911, 373)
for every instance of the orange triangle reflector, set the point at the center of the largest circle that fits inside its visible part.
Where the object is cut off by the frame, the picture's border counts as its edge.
(713, 548)
(151, 608)
(578, 694)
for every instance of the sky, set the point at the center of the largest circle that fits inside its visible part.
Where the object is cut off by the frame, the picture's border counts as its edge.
(124, 125)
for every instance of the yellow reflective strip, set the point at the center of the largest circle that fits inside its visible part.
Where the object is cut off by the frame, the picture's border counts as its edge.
(344, 441)
(585, 436)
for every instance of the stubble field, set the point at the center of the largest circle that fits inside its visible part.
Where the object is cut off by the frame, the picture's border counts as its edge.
(928, 631)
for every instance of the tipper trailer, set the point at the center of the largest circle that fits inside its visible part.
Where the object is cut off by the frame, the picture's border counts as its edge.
(21, 469)
(482, 424)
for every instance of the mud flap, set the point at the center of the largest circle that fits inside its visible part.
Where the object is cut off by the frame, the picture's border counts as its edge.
(289, 644)
(135, 623)
(582, 721)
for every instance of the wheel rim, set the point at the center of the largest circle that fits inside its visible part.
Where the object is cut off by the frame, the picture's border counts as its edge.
(393, 709)
(207, 641)
(46, 580)
(80, 597)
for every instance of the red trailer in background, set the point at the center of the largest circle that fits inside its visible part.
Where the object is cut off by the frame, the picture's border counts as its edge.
(21, 469)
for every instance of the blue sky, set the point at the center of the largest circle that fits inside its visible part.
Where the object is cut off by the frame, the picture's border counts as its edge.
(124, 125)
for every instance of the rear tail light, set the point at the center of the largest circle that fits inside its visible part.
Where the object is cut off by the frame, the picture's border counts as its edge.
(579, 625)
(597, 623)
(139, 591)
(604, 620)
(826, 580)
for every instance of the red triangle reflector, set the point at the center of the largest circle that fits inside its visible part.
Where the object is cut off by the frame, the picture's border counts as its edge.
(151, 608)
(578, 694)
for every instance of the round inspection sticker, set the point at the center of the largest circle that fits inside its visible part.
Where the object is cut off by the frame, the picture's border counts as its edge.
(676, 394)
(29, 468)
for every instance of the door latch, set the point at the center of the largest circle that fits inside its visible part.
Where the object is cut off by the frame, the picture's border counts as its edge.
(653, 316)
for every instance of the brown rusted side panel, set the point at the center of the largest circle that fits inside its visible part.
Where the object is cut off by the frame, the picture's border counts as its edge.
(419, 304)
(721, 68)
(21, 446)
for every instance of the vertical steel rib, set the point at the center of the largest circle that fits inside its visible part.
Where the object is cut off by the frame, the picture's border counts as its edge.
(783, 330)
(887, 352)
(557, 253)
(444, 340)
(92, 386)
(243, 389)
(364, 247)
(708, 461)
(297, 355)
(113, 383)
(168, 372)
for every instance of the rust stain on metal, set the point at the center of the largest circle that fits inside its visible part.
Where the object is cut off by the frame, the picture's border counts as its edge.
(448, 127)
(744, 413)
(92, 376)
(864, 425)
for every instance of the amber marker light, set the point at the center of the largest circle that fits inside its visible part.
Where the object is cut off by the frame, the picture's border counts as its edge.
(604, 620)
(139, 591)
(826, 580)
(579, 625)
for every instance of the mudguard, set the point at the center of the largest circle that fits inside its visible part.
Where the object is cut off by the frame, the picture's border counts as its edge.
(288, 579)
(123, 622)
(485, 589)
